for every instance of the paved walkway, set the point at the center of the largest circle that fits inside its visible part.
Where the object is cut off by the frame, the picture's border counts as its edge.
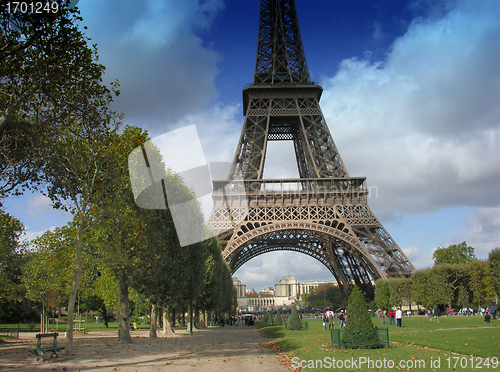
(231, 348)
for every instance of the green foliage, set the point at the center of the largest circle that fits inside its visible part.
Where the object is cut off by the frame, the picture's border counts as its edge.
(12, 259)
(279, 321)
(382, 294)
(359, 332)
(268, 318)
(324, 295)
(453, 285)
(49, 79)
(494, 269)
(49, 272)
(418, 340)
(480, 287)
(454, 254)
(295, 323)
(419, 288)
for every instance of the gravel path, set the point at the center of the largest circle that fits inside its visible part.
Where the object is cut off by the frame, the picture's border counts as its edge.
(236, 348)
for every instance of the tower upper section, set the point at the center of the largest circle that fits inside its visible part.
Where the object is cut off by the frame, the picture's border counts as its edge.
(280, 54)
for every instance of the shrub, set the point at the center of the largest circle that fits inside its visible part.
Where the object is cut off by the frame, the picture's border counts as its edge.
(295, 323)
(279, 322)
(359, 332)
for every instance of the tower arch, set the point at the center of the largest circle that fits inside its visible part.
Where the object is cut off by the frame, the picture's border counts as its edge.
(340, 252)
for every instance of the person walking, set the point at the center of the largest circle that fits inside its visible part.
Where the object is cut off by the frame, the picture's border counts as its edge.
(399, 316)
(382, 317)
(331, 324)
(437, 313)
(341, 318)
(391, 317)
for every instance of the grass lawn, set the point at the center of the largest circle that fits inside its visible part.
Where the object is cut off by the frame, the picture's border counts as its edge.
(61, 327)
(454, 343)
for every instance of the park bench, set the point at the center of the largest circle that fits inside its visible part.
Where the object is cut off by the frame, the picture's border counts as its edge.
(9, 332)
(39, 351)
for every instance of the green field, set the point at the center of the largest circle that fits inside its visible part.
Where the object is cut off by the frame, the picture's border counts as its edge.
(61, 327)
(454, 343)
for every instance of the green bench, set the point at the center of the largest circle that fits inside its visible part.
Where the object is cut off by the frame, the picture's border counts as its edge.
(9, 332)
(39, 351)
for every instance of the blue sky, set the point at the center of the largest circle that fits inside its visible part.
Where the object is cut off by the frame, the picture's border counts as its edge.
(411, 96)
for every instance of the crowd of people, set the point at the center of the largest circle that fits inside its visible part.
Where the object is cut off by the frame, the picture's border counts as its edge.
(329, 317)
(395, 317)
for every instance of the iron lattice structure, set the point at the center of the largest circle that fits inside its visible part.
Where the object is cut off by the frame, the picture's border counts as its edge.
(324, 213)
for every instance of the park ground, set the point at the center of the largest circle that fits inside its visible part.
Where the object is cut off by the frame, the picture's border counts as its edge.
(230, 348)
(452, 344)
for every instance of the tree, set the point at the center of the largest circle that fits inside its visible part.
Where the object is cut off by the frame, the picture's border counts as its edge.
(44, 59)
(52, 98)
(48, 274)
(448, 279)
(279, 321)
(359, 332)
(325, 294)
(396, 292)
(494, 269)
(295, 323)
(463, 296)
(75, 169)
(481, 285)
(454, 254)
(13, 257)
(211, 294)
(140, 246)
(420, 288)
(382, 294)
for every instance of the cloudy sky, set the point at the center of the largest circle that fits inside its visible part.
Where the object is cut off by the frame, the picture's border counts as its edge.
(411, 96)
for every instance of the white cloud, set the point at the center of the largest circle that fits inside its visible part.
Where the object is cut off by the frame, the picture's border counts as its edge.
(153, 49)
(483, 230)
(30, 235)
(38, 204)
(413, 253)
(267, 269)
(424, 261)
(423, 125)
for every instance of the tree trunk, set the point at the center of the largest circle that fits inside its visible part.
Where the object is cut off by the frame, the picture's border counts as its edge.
(74, 287)
(197, 316)
(105, 316)
(123, 322)
(190, 318)
(167, 326)
(152, 322)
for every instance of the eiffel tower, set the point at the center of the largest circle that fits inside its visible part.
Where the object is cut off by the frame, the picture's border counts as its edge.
(324, 213)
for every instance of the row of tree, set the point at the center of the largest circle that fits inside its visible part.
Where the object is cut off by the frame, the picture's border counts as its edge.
(327, 294)
(456, 280)
(59, 135)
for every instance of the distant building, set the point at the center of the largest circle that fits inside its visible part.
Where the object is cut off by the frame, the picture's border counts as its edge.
(283, 295)
(240, 288)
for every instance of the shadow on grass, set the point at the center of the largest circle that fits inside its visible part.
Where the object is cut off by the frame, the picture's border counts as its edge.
(270, 331)
(281, 340)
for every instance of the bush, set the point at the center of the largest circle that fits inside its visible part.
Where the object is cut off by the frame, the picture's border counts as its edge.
(359, 332)
(295, 323)
(279, 322)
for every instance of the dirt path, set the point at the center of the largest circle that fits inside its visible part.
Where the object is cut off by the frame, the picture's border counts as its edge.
(236, 348)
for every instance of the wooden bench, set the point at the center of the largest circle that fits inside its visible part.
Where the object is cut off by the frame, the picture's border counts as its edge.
(39, 351)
